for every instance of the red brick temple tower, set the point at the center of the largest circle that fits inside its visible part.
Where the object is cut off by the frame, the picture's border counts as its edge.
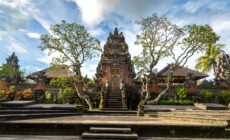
(115, 64)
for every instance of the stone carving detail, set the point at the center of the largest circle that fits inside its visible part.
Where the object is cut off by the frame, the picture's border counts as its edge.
(123, 94)
(104, 92)
(223, 70)
(115, 64)
(115, 52)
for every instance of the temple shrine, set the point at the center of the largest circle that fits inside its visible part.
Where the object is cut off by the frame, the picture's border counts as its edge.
(115, 68)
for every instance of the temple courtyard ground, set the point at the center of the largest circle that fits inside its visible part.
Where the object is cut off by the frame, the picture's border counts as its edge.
(50, 121)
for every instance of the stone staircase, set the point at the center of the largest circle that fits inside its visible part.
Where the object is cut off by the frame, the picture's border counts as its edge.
(114, 101)
(110, 133)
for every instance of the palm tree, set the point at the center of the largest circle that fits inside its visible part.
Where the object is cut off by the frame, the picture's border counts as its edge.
(208, 61)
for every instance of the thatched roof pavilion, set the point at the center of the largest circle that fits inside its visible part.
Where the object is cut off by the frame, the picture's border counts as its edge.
(179, 75)
(51, 72)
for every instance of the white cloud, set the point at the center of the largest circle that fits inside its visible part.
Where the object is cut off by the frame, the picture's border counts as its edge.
(89, 69)
(94, 11)
(130, 38)
(33, 35)
(192, 6)
(96, 31)
(13, 15)
(18, 48)
(45, 58)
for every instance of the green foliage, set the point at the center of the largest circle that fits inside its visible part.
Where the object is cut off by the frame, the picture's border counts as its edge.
(61, 81)
(69, 91)
(202, 34)
(175, 102)
(65, 93)
(181, 93)
(72, 41)
(208, 61)
(159, 39)
(12, 88)
(225, 95)
(95, 98)
(9, 73)
(47, 95)
(206, 95)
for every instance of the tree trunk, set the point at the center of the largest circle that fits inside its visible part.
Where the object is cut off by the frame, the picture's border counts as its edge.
(84, 97)
(157, 99)
(147, 93)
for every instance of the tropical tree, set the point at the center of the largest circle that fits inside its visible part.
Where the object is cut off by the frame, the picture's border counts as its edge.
(75, 46)
(10, 74)
(10, 71)
(208, 61)
(159, 39)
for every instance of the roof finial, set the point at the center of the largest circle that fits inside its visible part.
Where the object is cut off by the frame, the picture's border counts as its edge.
(116, 31)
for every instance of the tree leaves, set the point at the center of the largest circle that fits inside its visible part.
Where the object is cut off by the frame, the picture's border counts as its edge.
(73, 42)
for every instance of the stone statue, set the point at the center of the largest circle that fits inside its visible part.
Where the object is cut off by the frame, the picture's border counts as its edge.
(123, 94)
(104, 91)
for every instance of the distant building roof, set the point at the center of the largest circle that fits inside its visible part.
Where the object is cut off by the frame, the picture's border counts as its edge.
(181, 72)
(52, 72)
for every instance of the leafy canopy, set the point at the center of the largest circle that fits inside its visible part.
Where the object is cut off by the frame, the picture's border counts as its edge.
(74, 44)
(159, 38)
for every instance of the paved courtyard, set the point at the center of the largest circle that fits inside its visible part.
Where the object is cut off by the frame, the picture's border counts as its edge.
(36, 137)
(99, 119)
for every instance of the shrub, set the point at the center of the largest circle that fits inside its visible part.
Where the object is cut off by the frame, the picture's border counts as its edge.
(206, 95)
(225, 95)
(2, 95)
(176, 102)
(27, 94)
(181, 93)
(24, 95)
(47, 95)
(12, 88)
(5, 93)
(68, 92)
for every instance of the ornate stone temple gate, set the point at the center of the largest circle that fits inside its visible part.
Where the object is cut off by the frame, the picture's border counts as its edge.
(115, 71)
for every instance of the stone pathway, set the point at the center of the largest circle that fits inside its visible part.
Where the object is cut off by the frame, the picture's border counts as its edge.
(37, 137)
(95, 119)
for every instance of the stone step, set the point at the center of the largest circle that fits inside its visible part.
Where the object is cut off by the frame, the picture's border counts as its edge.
(226, 114)
(112, 112)
(114, 100)
(7, 117)
(114, 96)
(109, 98)
(202, 111)
(117, 102)
(201, 119)
(17, 103)
(34, 111)
(114, 105)
(114, 109)
(38, 108)
(88, 135)
(110, 130)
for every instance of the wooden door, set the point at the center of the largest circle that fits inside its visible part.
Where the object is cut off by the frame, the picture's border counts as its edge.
(115, 79)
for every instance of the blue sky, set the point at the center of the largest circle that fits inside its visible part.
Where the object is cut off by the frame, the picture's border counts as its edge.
(23, 21)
